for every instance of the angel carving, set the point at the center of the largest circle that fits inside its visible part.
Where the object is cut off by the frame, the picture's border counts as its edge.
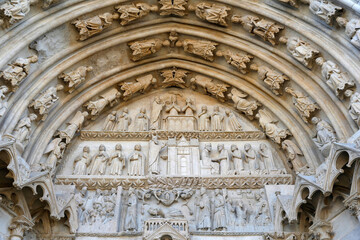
(140, 85)
(131, 12)
(209, 86)
(238, 60)
(202, 48)
(173, 7)
(109, 97)
(75, 78)
(144, 48)
(213, 13)
(269, 124)
(241, 104)
(173, 77)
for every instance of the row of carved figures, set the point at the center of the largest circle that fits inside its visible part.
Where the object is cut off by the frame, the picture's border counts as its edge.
(213, 210)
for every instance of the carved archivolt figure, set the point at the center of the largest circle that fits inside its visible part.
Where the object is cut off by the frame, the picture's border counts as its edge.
(241, 104)
(204, 119)
(75, 77)
(354, 107)
(211, 12)
(273, 79)
(123, 120)
(141, 121)
(99, 162)
(131, 213)
(325, 133)
(293, 3)
(173, 78)
(13, 11)
(156, 112)
(73, 126)
(219, 218)
(23, 129)
(326, 10)
(293, 153)
(303, 104)
(237, 159)
(301, 50)
(82, 162)
(335, 78)
(155, 149)
(202, 48)
(55, 149)
(204, 211)
(17, 71)
(237, 60)
(117, 161)
(265, 29)
(3, 103)
(131, 12)
(141, 49)
(269, 125)
(217, 120)
(46, 100)
(251, 162)
(110, 122)
(108, 98)
(94, 25)
(266, 158)
(173, 7)
(136, 161)
(209, 86)
(140, 85)
(352, 29)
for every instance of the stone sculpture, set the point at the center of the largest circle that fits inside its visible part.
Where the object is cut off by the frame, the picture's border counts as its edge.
(352, 29)
(305, 106)
(337, 80)
(263, 28)
(241, 104)
(75, 77)
(23, 129)
(117, 161)
(211, 87)
(46, 100)
(3, 102)
(237, 60)
(325, 135)
(219, 217)
(354, 107)
(131, 212)
(202, 48)
(110, 97)
(55, 151)
(136, 161)
(73, 126)
(189, 107)
(173, 7)
(266, 160)
(204, 211)
(82, 162)
(293, 3)
(12, 11)
(110, 122)
(94, 25)
(156, 113)
(236, 159)
(81, 199)
(217, 120)
(251, 161)
(293, 153)
(223, 158)
(302, 51)
(17, 71)
(140, 85)
(143, 48)
(173, 77)
(99, 162)
(211, 12)
(204, 119)
(134, 11)
(142, 121)
(269, 125)
(325, 10)
(233, 123)
(273, 79)
(155, 149)
(123, 120)
(207, 166)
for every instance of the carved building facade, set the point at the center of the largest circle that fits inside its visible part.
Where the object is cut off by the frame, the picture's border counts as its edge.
(179, 119)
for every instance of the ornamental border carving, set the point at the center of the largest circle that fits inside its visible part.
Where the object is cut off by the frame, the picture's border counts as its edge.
(164, 135)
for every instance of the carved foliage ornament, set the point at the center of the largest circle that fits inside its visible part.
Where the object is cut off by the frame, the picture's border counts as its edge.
(173, 77)
(173, 7)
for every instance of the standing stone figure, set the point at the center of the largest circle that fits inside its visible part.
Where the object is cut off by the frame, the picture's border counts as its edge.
(266, 158)
(75, 77)
(217, 120)
(82, 163)
(223, 159)
(55, 149)
(73, 126)
(237, 159)
(204, 119)
(325, 10)
(141, 121)
(123, 120)
(156, 112)
(250, 157)
(219, 219)
(325, 134)
(155, 148)
(136, 161)
(352, 29)
(3, 103)
(110, 121)
(211, 12)
(131, 213)
(23, 129)
(81, 200)
(206, 163)
(117, 161)
(293, 153)
(204, 211)
(99, 162)
(233, 123)
(354, 107)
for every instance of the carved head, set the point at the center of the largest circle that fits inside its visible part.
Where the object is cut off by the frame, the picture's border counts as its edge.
(208, 146)
(263, 146)
(32, 117)
(85, 114)
(86, 149)
(234, 147)
(315, 120)
(34, 59)
(216, 109)
(83, 191)
(227, 112)
(102, 147)
(349, 93)
(319, 61)
(217, 192)
(126, 110)
(247, 147)
(59, 87)
(4, 89)
(341, 21)
(220, 147)
(204, 108)
(118, 147)
(113, 113)
(137, 147)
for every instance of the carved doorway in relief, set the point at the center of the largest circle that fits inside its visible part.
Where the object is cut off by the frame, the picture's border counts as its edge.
(166, 237)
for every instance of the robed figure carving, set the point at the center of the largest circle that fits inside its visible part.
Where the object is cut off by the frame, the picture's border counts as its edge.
(204, 119)
(131, 213)
(155, 149)
(142, 121)
(223, 159)
(136, 160)
(82, 162)
(155, 117)
(99, 161)
(217, 120)
(117, 161)
(219, 212)
(250, 157)
(204, 211)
